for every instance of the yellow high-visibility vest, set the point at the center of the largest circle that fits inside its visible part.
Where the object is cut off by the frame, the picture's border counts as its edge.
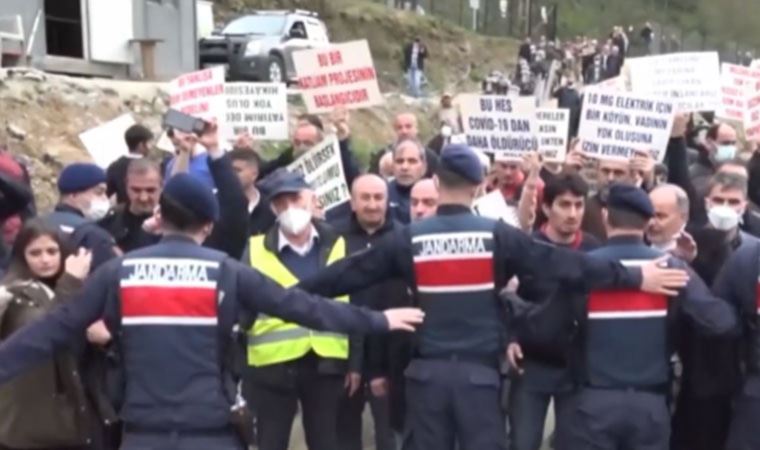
(271, 340)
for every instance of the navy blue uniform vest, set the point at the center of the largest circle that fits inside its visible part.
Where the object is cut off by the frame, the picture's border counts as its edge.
(454, 273)
(626, 335)
(169, 338)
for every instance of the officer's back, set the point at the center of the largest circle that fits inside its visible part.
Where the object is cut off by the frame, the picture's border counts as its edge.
(623, 350)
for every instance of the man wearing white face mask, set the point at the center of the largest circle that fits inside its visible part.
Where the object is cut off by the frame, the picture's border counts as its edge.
(289, 364)
(718, 147)
(83, 201)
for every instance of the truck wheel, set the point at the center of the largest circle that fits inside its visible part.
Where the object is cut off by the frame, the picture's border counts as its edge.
(276, 69)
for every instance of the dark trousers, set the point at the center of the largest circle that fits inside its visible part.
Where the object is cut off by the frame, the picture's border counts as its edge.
(606, 419)
(527, 415)
(744, 433)
(169, 441)
(453, 401)
(276, 401)
(701, 423)
(350, 421)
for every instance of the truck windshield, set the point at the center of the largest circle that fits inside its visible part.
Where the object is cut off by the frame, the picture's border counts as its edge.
(259, 24)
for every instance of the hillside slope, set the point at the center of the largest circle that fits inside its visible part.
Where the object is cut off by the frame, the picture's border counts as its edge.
(458, 58)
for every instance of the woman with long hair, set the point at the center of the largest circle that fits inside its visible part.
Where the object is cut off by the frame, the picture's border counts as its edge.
(46, 408)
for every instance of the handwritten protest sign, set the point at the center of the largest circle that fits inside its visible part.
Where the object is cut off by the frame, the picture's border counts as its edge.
(503, 126)
(339, 75)
(740, 91)
(553, 127)
(692, 80)
(323, 170)
(199, 94)
(259, 109)
(614, 125)
(492, 205)
(105, 143)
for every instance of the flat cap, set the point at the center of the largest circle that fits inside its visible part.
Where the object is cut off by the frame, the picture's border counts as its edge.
(630, 198)
(79, 177)
(462, 160)
(193, 194)
(282, 181)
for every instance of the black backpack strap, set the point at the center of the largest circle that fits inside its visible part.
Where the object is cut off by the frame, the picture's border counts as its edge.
(231, 339)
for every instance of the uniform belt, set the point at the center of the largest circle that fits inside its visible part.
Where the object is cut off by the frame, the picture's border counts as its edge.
(488, 361)
(661, 389)
(136, 429)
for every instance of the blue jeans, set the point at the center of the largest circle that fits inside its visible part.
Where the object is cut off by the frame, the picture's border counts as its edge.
(527, 416)
(168, 441)
(414, 82)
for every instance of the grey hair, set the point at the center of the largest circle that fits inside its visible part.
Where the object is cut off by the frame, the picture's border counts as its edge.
(729, 181)
(682, 198)
(416, 143)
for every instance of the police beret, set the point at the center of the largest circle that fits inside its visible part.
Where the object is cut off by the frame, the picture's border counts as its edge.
(194, 195)
(630, 198)
(79, 177)
(282, 181)
(460, 159)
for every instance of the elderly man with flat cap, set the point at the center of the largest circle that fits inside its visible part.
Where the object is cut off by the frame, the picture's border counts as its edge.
(456, 263)
(621, 357)
(171, 308)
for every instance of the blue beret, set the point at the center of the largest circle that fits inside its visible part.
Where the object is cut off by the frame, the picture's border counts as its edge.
(79, 177)
(282, 181)
(461, 160)
(630, 198)
(195, 195)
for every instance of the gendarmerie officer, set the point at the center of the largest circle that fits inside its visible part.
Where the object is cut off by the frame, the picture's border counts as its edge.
(622, 353)
(171, 308)
(455, 263)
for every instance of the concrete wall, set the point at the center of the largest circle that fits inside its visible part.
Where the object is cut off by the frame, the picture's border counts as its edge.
(174, 21)
(28, 10)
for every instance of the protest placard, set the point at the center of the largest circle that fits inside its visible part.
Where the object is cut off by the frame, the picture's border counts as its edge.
(105, 143)
(322, 168)
(338, 75)
(500, 125)
(493, 206)
(199, 94)
(740, 90)
(614, 125)
(692, 80)
(553, 126)
(259, 109)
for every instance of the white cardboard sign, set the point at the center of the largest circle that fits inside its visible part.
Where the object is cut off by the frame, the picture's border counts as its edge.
(105, 143)
(499, 125)
(493, 206)
(338, 75)
(692, 80)
(259, 109)
(199, 94)
(740, 94)
(323, 170)
(553, 127)
(614, 125)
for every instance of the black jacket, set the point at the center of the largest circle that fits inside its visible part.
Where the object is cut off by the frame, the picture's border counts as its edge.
(373, 358)
(230, 231)
(421, 56)
(261, 218)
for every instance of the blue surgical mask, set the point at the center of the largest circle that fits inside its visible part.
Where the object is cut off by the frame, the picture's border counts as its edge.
(725, 153)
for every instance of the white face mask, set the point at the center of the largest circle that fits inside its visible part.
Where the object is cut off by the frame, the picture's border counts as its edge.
(723, 217)
(725, 153)
(99, 207)
(294, 220)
